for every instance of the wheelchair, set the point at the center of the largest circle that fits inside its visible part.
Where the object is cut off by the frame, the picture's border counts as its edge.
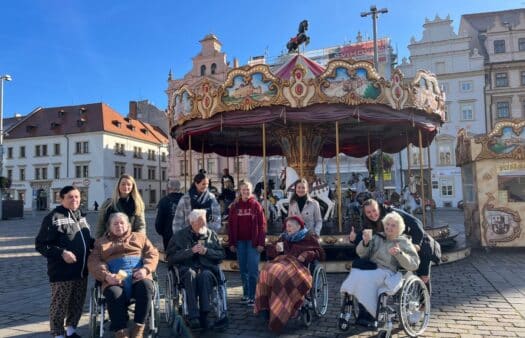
(316, 301)
(97, 312)
(409, 308)
(176, 308)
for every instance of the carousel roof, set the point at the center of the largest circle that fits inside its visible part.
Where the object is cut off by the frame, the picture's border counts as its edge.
(372, 112)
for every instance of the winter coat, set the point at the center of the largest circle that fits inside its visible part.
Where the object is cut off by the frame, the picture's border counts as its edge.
(311, 214)
(165, 214)
(377, 252)
(185, 206)
(138, 222)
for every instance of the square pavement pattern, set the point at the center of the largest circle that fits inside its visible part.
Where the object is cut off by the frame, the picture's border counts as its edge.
(480, 296)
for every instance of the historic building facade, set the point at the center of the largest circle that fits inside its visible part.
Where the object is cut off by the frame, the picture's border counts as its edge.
(88, 146)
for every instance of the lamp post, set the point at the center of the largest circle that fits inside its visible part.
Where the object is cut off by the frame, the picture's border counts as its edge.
(5, 77)
(375, 14)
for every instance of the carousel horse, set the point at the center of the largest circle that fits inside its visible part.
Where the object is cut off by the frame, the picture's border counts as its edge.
(318, 190)
(408, 201)
(301, 37)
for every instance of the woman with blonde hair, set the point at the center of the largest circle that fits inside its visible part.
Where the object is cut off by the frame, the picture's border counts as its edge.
(126, 198)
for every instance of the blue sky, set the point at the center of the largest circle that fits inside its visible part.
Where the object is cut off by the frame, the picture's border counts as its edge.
(65, 52)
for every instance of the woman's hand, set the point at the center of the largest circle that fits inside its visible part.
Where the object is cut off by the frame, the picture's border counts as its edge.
(300, 258)
(260, 249)
(395, 250)
(367, 236)
(352, 235)
(112, 279)
(69, 257)
(140, 274)
(233, 248)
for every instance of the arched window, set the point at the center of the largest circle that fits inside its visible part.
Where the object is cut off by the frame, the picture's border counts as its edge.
(203, 70)
(213, 68)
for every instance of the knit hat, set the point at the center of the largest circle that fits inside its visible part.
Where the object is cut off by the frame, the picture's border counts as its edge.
(298, 219)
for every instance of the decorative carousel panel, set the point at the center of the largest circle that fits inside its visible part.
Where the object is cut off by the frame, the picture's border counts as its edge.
(182, 103)
(299, 89)
(247, 89)
(397, 94)
(207, 101)
(500, 224)
(351, 83)
(427, 94)
(507, 140)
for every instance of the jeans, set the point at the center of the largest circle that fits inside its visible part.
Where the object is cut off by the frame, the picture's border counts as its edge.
(248, 258)
(117, 303)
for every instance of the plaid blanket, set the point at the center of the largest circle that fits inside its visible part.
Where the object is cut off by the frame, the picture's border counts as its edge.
(282, 286)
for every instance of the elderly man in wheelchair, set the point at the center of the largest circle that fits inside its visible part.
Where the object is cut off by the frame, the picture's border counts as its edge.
(194, 254)
(376, 292)
(286, 286)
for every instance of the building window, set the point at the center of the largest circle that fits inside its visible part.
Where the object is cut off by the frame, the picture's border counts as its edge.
(56, 148)
(37, 151)
(163, 158)
(85, 147)
(44, 173)
(10, 174)
(120, 169)
(502, 80)
(446, 184)
(466, 112)
(137, 152)
(22, 174)
(153, 196)
(435, 185)
(81, 170)
(445, 153)
(78, 147)
(78, 171)
(203, 70)
(499, 46)
(85, 171)
(523, 78)
(137, 172)
(237, 166)
(163, 174)
(22, 151)
(183, 167)
(213, 68)
(44, 149)
(521, 44)
(447, 114)
(502, 110)
(200, 164)
(81, 147)
(210, 166)
(151, 173)
(37, 173)
(57, 173)
(10, 152)
(465, 86)
(151, 155)
(119, 149)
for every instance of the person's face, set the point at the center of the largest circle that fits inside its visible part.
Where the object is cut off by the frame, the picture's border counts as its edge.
(202, 186)
(245, 192)
(301, 189)
(119, 226)
(391, 229)
(372, 212)
(125, 187)
(198, 225)
(71, 200)
(292, 227)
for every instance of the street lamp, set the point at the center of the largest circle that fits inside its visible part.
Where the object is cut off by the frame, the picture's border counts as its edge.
(5, 77)
(375, 14)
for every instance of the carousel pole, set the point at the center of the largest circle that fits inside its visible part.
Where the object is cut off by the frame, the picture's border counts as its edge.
(237, 158)
(202, 153)
(408, 159)
(339, 213)
(185, 171)
(430, 197)
(191, 159)
(265, 185)
(301, 149)
(421, 178)
(369, 159)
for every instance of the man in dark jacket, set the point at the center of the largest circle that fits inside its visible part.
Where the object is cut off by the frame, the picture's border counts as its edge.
(166, 211)
(65, 240)
(197, 253)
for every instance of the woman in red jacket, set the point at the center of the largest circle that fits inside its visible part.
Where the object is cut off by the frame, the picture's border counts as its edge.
(247, 232)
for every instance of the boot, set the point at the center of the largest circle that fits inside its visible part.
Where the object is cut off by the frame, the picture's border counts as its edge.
(137, 331)
(122, 333)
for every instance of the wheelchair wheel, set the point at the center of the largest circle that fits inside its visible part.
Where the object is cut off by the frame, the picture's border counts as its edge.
(349, 312)
(154, 319)
(320, 292)
(95, 316)
(306, 316)
(169, 298)
(414, 306)
(384, 334)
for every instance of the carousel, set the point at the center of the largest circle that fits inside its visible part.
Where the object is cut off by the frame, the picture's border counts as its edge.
(304, 111)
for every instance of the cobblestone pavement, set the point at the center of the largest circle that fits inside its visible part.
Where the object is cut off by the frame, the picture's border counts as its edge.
(480, 296)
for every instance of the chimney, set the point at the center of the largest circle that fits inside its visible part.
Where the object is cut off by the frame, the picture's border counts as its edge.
(133, 110)
(235, 63)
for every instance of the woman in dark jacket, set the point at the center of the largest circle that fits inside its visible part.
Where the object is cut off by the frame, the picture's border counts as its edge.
(126, 198)
(247, 232)
(65, 240)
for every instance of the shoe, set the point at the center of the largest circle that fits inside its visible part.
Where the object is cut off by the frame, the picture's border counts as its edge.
(250, 302)
(194, 324)
(74, 335)
(245, 300)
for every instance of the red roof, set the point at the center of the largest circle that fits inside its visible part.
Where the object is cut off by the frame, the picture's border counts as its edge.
(86, 118)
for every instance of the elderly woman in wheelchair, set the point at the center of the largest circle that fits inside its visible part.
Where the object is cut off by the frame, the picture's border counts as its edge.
(123, 262)
(285, 281)
(370, 292)
(195, 253)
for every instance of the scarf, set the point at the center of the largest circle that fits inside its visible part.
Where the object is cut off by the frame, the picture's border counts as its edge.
(301, 201)
(201, 201)
(296, 237)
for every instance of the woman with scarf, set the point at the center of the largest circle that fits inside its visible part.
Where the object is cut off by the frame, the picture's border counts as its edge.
(126, 198)
(123, 261)
(285, 281)
(247, 232)
(301, 204)
(198, 197)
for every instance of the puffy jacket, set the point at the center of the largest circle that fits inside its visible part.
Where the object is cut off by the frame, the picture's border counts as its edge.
(63, 229)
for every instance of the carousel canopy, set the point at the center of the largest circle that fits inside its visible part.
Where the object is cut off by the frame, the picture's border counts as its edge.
(300, 97)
